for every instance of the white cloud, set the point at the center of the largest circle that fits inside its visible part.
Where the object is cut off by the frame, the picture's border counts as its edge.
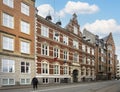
(103, 26)
(117, 44)
(70, 8)
(45, 9)
(79, 8)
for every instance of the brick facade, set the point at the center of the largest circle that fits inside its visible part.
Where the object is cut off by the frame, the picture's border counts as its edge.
(16, 77)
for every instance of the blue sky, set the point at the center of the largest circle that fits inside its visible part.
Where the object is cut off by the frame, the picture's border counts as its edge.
(98, 16)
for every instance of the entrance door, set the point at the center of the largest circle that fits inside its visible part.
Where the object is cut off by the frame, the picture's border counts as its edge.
(109, 76)
(75, 75)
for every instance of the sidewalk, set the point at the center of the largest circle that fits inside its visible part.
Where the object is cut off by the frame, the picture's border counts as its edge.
(14, 87)
(42, 85)
(30, 86)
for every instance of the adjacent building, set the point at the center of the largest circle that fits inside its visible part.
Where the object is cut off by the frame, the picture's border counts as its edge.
(106, 61)
(105, 57)
(88, 56)
(118, 70)
(17, 42)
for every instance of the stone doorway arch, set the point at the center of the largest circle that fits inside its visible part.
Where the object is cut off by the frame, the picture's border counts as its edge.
(75, 75)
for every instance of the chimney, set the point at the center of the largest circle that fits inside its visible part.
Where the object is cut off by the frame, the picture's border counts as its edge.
(48, 17)
(58, 22)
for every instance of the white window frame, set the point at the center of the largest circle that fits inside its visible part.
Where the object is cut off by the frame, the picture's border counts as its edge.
(93, 62)
(8, 43)
(26, 67)
(111, 62)
(8, 20)
(9, 3)
(111, 54)
(25, 81)
(57, 80)
(102, 50)
(65, 70)
(65, 39)
(45, 80)
(25, 27)
(65, 55)
(8, 65)
(56, 52)
(45, 68)
(88, 50)
(88, 61)
(45, 49)
(93, 51)
(56, 69)
(8, 81)
(25, 9)
(44, 31)
(25, 47)
(75, 44)
(56, 36)
(84, 60)
(83, 48)
(102, 58)
(76, 57)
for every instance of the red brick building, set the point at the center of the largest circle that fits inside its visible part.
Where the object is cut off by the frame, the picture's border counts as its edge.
(107, 60)
(58, 51)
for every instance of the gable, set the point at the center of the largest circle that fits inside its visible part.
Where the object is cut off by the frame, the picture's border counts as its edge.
(110, 39)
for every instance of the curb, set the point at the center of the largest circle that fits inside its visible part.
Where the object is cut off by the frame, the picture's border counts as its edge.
(42, 85)
(30, 86)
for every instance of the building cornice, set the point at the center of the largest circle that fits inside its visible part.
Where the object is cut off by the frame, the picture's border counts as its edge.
(16, 55)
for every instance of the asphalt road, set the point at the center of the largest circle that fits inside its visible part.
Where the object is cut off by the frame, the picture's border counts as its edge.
(106, 86)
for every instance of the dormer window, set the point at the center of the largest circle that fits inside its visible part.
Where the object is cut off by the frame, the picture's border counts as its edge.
(56, 36)
(75, 30)
(75, 44)
(65, 39)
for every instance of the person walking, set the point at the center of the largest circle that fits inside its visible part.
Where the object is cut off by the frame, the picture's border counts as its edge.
(35, 83)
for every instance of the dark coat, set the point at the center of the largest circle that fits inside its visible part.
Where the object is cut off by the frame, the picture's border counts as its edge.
(34, 81)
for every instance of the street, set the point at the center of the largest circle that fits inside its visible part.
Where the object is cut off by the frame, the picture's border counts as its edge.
(106, 86)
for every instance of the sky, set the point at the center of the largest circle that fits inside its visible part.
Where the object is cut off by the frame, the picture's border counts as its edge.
(98, 16)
